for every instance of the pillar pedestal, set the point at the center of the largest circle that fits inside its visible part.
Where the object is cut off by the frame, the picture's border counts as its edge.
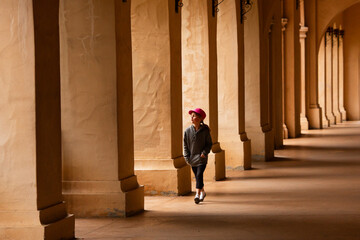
(304, 122)
(104, 198)
(26, 225)
(343, 114)
(285, 132)
(164, 176)
(215, 169)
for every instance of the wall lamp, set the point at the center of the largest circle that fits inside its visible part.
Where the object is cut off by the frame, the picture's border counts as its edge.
(245, 7)
(178, 3)
(329, 31)
(215, 4)
(341, 33)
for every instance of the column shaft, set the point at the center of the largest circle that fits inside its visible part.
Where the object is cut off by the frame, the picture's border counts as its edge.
(232, 133)
(313, 110)
(292, 70)
(252, 83)
(335, 78)
(341, 76)
(303, 120)
(31, 204)
(284, 22)
(277, 81)
(97, 125)
(322, 83)
(329, 77)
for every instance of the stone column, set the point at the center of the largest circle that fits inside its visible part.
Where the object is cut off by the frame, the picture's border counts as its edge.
(335, 78)
(267, 84)
(292, 70)
(322, 83)
(329, 75)
(341, 75)
(284, 22)
(252, 83)
(303, 30)
(98, 155)
(200, 89)
(276, 77)
(156, 42)
(313, 110)
(31, 202)
(230, 37)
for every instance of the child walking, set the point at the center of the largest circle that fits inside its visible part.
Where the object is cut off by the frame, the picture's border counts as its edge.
(197, 145)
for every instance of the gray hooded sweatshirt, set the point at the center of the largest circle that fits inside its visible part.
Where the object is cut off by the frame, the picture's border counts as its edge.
(196, 143)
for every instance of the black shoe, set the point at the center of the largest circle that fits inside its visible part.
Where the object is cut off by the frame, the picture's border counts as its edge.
(197, 199)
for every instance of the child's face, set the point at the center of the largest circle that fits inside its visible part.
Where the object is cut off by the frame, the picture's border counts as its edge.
(195, 119)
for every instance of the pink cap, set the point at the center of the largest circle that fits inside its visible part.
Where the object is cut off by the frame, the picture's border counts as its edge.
(198, 111)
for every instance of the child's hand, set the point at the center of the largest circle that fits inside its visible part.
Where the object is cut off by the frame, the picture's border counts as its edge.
(202, 155)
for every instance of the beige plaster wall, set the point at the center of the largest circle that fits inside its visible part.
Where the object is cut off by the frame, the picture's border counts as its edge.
(195, 58)
(88, 90)
(17, 115)
(352, 62)
(151, 79)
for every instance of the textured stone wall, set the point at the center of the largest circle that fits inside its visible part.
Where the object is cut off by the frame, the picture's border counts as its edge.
(151, 83)
(195, 58)
(88, 89)
(228, 70)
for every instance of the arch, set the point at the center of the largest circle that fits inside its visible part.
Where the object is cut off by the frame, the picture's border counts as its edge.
(328, 10)
(339, 63)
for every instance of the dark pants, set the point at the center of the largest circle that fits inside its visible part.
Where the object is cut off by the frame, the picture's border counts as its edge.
(199, 175)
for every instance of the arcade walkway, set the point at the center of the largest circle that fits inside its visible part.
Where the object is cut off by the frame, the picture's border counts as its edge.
(311, 191)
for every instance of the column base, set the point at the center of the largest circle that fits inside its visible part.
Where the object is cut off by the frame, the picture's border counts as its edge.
(160, 177)
(343, 115)
(285, 132)
(338, 117)
(314, 114)
(257, 137)
(104, 198)
(215, 169)
(325, 122)
(331, 118)
(304, 123)
(269, 145)
(27, 224)
(238, 154)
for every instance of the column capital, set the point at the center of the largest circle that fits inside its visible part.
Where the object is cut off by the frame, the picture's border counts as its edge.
(303, 30)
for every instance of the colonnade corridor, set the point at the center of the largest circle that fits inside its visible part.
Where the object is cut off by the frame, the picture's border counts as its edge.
(310, 191)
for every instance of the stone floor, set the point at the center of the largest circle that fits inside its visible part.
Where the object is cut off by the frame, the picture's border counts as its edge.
(310, 191)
